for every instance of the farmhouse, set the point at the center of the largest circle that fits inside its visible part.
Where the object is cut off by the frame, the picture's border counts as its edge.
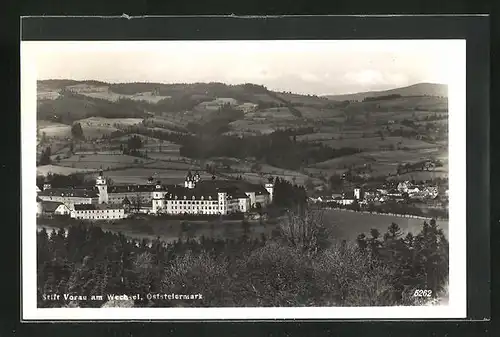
(51, 208)
(247, 107)
(218, 103)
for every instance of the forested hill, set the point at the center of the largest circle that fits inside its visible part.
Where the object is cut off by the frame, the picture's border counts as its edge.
(419, 89)
(68, 100)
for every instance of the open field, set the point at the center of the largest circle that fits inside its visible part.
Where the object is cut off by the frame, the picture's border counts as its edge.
(334, 135)
(93, 127)
(110, 122)
(265, 98)
(149, 143)
(382, 163)
(113, 97)
(253, 127)
(175, 164)
(47, 95)
(166, 121)
(400, 156)
(261, 172)
(158, 150)
(341, 162)
(168, 157)
(62, 170)
(272, 113)
(97, 161)
(319, 113)
(421, 175)
(303, 99)
(414, 103)
(103, 92)
(377, 143)
(53, 129)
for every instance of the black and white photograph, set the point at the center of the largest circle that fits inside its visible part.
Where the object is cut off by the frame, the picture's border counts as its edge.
(243, 179)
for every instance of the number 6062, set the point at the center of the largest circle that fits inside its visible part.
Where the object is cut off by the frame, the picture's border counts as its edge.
(422, 293)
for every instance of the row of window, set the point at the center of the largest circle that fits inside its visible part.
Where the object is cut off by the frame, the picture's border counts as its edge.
(99, 217)
(194, 202)
(92, 211)
(190, 207)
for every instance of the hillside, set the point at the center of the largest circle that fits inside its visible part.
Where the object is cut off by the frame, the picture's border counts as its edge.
(302, 137)
(420, 89)
(65, 101)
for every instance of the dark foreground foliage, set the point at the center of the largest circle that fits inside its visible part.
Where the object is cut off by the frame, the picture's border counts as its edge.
(300, 266)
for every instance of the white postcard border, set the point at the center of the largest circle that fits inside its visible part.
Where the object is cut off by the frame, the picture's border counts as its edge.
(457, 305)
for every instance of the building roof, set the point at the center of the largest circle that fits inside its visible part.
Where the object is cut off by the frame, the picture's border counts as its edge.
(241, 185)
(199, 191)
(50, 206)
(349, 195)
(91, 207)
(238, 195)
(70, 192)
(132, 188)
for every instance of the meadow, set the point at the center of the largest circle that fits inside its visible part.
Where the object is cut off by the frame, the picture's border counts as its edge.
(103, 92)
(376, 143)
(53, 129)
(44, 170)
(319, 113)
(271, 113)
(104, 161)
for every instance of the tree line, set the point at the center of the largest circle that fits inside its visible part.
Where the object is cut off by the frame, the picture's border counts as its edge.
(277, 149)
(381, 98)
(298, 265)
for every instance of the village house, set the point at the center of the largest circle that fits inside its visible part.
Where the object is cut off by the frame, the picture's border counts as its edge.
(394, 193)
(247, 107)
(403, 186)
(49, 208)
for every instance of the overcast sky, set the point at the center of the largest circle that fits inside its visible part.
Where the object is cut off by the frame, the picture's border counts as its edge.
(310, 67)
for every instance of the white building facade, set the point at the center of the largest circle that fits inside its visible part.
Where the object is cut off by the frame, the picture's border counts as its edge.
(91, 212)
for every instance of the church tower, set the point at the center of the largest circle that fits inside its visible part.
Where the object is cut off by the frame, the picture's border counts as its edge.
(270, 189)
(102, 188)
(189, 182)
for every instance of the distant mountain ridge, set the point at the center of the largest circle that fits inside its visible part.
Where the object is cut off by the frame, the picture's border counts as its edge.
(419, 89)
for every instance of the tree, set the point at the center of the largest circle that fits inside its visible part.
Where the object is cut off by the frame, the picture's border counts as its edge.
(309, 184)
(77, 131)
(45, 157)
(305, 232)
